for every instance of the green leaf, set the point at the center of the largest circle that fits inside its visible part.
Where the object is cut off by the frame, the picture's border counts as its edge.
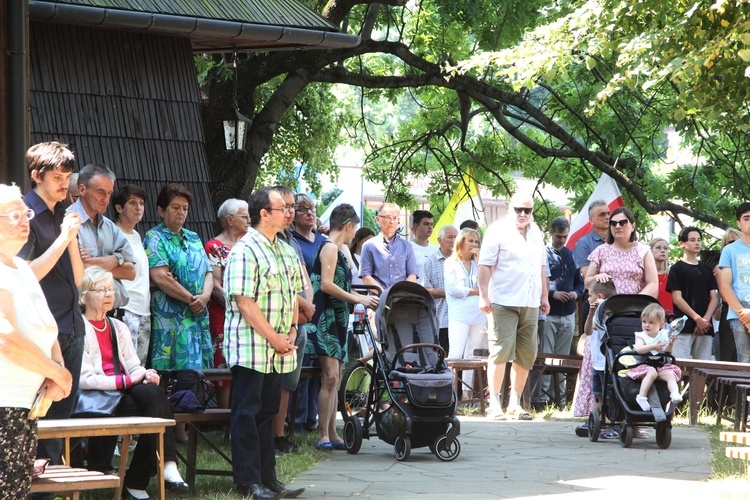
(744, 54)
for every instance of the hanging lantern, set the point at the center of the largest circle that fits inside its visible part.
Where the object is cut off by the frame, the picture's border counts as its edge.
(235, 130)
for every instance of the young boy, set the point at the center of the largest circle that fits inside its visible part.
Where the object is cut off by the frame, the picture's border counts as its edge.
(591, 376)
(693, 288)
(598, 293)
(734, 265)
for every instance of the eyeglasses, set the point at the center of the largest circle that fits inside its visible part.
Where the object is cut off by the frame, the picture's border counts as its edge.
(621, 222)
(14, 217)
(389, 218)
(523, 210)
(286, 210)
(105, 291)
(303, 211)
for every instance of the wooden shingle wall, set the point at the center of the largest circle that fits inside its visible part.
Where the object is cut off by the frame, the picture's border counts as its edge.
(127, 100)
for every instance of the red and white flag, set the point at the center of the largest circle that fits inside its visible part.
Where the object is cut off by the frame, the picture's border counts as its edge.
(606, 189)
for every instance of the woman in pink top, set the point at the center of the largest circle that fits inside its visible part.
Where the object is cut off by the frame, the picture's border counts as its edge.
(625, 261)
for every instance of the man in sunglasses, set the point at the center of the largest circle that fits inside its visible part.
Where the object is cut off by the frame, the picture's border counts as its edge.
(512, 291)
(387, 259)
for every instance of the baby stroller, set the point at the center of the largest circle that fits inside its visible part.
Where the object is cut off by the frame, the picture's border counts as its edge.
(621, 316)
(406, 394)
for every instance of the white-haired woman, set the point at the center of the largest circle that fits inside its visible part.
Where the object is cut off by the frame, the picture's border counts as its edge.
(142, 394)
(234, 219)
(30, 357)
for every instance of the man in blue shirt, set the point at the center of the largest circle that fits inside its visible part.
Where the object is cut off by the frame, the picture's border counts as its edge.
(565, 287)
(387, 258)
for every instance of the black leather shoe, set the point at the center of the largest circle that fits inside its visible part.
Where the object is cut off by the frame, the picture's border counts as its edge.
(258, 491)
(278, 487)
(176, 487)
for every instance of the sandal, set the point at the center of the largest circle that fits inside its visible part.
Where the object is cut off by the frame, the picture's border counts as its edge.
(338, 445)
(519, 413)
(324, 446)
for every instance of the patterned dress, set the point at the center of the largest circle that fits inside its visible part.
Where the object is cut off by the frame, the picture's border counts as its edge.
(327, 331)
(217, 253)
(625, 268)
(179, 339)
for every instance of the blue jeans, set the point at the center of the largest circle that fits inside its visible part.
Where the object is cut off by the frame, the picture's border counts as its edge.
(307, 397)
(742, 339)
(255, 401)
(72, 352)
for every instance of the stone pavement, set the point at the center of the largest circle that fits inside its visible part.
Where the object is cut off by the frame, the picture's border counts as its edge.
(524, 459)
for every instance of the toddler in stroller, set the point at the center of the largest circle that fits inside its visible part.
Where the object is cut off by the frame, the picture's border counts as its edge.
(654, 339)
(621, 317)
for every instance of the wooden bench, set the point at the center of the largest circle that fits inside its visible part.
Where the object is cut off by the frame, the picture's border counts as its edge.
(66, 429)
(694, 371)
(565, 365)
(193, 421)
(69, 482)
(479, 385)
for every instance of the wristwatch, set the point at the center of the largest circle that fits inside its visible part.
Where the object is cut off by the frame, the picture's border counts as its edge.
(294, 325)
(120, 258)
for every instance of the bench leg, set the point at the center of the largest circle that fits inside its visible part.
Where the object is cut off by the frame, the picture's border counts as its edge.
(697, 383)
(160, 466)
(192, 455)
(123, 465)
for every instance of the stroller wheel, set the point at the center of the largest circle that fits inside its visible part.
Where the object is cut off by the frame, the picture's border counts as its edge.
(626, 435)
(402, 448)
(444, 450)
(354, 393)
(595, 426)
(353, 435)
(663, 435)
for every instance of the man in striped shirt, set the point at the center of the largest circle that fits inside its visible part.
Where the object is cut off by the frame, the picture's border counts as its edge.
(261, 280)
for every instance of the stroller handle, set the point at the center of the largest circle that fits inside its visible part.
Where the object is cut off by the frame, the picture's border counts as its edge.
(367, 290)
(439, 349)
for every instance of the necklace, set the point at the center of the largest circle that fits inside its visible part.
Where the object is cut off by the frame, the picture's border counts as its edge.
(104, 322)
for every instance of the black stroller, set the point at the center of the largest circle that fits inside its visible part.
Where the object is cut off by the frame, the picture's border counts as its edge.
(621, 315)
(407, 392)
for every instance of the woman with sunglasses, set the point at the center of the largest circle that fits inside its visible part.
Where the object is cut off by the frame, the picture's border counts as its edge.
(623, 260)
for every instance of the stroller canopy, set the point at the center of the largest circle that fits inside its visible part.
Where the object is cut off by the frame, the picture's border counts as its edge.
(407, 315)
(623, 305)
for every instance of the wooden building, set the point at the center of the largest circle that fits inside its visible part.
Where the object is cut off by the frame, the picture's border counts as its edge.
(117, 82)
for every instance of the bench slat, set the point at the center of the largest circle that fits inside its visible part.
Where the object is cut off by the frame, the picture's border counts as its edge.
(63, 479)
(742, 453)
(735, 437)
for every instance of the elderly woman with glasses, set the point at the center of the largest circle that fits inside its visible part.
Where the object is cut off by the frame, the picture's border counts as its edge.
(623, 260)
(31, 363)
(142, 394)
(234, 219)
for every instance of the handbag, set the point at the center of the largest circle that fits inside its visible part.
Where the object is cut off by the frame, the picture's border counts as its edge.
(102, 403)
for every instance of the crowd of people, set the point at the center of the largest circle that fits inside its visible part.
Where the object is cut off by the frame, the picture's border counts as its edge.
(88, 305)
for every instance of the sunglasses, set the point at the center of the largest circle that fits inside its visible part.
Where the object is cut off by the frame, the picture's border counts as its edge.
(621, 223)
(522, 210)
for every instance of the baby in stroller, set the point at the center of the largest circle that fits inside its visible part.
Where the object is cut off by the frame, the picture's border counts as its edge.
(654, 339)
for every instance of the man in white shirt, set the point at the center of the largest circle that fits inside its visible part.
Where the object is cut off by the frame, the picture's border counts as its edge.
(512, 291)
(421, 230)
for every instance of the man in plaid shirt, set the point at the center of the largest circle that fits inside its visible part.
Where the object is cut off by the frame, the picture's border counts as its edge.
(433, 278)
(261, 281)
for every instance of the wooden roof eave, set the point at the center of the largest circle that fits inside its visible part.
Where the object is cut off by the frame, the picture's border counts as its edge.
(206, 35)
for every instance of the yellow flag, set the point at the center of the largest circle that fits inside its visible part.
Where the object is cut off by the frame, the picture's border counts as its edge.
(464, 204)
